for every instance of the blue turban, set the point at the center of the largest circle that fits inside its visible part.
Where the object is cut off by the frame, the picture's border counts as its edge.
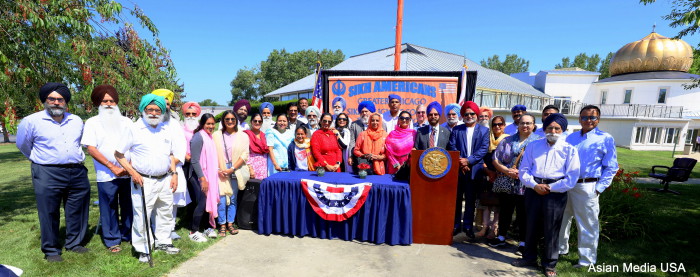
(434, 105)
(453, 107)
(366, 104)
(558, 118)
(518, 108)
(342, 102)
(394, 96)
(148, 98)
(267, 105)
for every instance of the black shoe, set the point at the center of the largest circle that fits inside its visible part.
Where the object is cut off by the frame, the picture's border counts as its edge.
(469, 233)
(523, 263)
(496, 242)
(456, 231)
(520, 251)
(79, 249)
(54, 258)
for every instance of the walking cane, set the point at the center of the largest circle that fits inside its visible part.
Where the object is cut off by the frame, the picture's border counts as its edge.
(146, 226)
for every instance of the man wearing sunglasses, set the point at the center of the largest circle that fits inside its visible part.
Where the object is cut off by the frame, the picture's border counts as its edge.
(421, 117)
(432, 135)
(598, 158)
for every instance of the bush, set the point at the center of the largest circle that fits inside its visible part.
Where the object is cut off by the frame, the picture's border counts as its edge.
(624, 210)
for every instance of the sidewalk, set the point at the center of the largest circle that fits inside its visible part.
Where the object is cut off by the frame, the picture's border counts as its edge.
(250, 254)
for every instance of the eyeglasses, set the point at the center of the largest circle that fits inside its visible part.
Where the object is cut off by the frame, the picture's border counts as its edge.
(434, 114)
(342, 118)
(158, 111)
(256, 121)
(190, 114)
(337, 107)
(404, 118)
(523, 123)
(469, 114)
(312, 116)
(53, 99)
(326, 121)
(103, 101)
(293, 111)
(420, 112)
(229, 119)
(500, 124)
(552, 128)
(589, 117)
(483, 117)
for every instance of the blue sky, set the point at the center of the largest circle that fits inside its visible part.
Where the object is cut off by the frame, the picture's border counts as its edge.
(211, 40)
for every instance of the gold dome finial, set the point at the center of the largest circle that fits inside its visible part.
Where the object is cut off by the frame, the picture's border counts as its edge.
(652, 53)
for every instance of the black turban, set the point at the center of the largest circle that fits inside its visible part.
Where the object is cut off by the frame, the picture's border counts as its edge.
(98, 94)
(558, 118)
(48, 88)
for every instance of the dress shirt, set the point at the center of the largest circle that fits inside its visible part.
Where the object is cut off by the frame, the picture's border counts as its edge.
(550, 162)
(418, 125)
(511, 129)
(447, 126)
(470, 135)
(45, 141)
(94, 134)
(150, 147)
(437, 134)
(390, 121)
(598, 156)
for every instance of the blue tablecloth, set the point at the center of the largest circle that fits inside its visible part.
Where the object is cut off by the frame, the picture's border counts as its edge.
(386, 216)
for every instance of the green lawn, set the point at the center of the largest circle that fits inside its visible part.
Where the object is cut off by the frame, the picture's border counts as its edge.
(19, 226)
(642, 161)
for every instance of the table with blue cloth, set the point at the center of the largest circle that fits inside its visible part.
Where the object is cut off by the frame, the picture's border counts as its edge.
(386, 216)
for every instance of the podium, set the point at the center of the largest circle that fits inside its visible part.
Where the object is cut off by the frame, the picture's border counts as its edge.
(433, 202)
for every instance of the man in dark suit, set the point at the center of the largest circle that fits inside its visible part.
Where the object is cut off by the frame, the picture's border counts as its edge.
(472, 142)
(439, 135)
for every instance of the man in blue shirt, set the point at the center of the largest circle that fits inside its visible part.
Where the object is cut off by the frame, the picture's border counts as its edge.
(516, 112)
(598, 158)
(51, 140)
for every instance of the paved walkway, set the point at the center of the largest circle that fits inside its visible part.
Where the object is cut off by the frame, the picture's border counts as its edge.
(250, 254)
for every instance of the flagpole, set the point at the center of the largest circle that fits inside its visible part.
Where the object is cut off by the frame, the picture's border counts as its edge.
(463, 85)
(397, 47)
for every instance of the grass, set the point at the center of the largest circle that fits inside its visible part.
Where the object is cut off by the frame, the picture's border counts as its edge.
(20, 240)
(642, 161)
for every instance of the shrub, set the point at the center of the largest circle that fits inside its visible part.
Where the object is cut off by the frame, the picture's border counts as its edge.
(624, 210)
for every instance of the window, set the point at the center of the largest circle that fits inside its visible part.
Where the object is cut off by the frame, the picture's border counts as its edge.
(692, 134)
(671, 135)
(563, 103)
(655, 135)
(662, 95)
(603, 97)
(639, 137)
(628, 96)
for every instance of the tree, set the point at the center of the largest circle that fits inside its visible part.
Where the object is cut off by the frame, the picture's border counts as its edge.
(604, 68)
(591, 63)
(281, 68)
(512, 64)
(82, 44)
(208, 102)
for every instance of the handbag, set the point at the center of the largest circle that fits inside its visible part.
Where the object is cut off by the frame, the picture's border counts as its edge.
(503, 183)
(404, 173)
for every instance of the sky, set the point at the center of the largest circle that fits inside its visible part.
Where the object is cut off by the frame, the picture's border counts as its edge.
(211, 40)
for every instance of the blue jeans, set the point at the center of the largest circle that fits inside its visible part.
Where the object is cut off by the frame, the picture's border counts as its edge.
(116, 212)
(227, 213)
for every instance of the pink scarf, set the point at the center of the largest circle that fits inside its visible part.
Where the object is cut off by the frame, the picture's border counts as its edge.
(210, 166)
(188, 137)
(398, 145)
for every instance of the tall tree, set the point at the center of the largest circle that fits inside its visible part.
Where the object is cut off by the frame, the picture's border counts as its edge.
(244, 85)
(208, 102)
(565, 63)
(511, 64)
(604, 68)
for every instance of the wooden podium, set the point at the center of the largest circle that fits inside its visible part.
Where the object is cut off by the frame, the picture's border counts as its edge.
(433, 202)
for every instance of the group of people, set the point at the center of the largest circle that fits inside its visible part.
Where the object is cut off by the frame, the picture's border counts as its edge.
(545, 176)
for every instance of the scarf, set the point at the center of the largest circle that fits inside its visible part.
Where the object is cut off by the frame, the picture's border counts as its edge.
(210, 167)
(257, 145)
(188, 137)
(239, 149)
(399, 144)
(379, 132)
(496, 141)
(304, 144)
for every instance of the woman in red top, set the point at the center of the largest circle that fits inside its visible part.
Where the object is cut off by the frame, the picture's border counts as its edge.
(324, 146)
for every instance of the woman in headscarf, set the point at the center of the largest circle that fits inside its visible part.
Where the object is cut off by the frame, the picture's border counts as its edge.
(278, 139)
(324, 146)
(497, 135)
(399, 142)
(259, 151)
(370, 144)
(342, 131)
(204, 167)
(233, 149)
(266, 109)
(299, 151)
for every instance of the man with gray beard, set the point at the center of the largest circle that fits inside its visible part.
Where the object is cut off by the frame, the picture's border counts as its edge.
(51, 140)
(100, 136)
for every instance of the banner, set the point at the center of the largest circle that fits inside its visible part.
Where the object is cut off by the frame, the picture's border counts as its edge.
(414, 91)
(335, 202)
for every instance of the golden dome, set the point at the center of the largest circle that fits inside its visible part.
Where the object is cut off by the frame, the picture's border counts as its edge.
(652, 53)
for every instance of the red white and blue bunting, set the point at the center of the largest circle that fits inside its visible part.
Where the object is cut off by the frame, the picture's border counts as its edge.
(335, 202)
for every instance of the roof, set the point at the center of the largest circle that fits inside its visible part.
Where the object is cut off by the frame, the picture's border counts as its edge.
(652, 75)
(570, 71)
(418, 58)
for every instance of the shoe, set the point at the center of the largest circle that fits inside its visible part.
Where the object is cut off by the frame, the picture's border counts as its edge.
(174, 236)
(469, 233)
(143, 257)
(209, 232)
(54, 258)
(482, 232)
(520, 251)
(79, 249)
(456, 231)
(167, 248)
(550, 272)
(232, 230)
(523, 263)
(198, 237)
(496, 242)
(493, 232)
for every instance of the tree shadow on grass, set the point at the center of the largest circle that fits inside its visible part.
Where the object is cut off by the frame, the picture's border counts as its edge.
(17, 198)
(11, 156)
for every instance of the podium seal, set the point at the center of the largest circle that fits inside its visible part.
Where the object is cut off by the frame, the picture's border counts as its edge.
(435, 162)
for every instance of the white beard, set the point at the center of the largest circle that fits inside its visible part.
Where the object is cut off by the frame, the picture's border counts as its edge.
(313, 123)
(111, 119)
(337, 111)
(152, 120)
(191, 123)
(470, 121)
(365, 120)
(484, 123)
(55, 110)
(553, 138)
(452, 121)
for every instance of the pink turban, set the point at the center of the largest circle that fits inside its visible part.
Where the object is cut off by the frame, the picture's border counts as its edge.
(192, 105)
(469, 105)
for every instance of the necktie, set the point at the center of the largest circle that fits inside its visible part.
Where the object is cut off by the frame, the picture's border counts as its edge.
(432, 138)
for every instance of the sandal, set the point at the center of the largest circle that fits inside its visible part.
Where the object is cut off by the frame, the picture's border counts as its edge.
(482, 232)
(115, 249)
(222, 230)
(550, 272)
(493, 232)
(231, 229)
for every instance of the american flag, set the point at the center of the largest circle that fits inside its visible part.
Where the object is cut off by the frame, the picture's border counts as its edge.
(448, 88)
(317, 99)
(463, 95)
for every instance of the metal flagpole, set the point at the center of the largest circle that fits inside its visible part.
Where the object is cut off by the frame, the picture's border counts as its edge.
(397, 47)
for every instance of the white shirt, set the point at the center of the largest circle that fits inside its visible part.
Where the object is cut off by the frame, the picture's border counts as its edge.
(302, 119)
(470, 135)
(150, 147)
(550, 162)
(94, 134)
(301, 157)
(437, 133)
(391, 121)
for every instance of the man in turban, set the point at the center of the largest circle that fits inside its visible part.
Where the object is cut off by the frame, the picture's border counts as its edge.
(313, 115)
(191, 110)
(472, 141)
(152, 145)
(485, 117)
(421, 117)
(548, 110)
(51, 140)
(241, 109)
(100, 136)
(432, 135)
(169, 96)
(339, 105)
(266, 110)
(516, 112)
(391, 117)
(548, 169)
(454, 118)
